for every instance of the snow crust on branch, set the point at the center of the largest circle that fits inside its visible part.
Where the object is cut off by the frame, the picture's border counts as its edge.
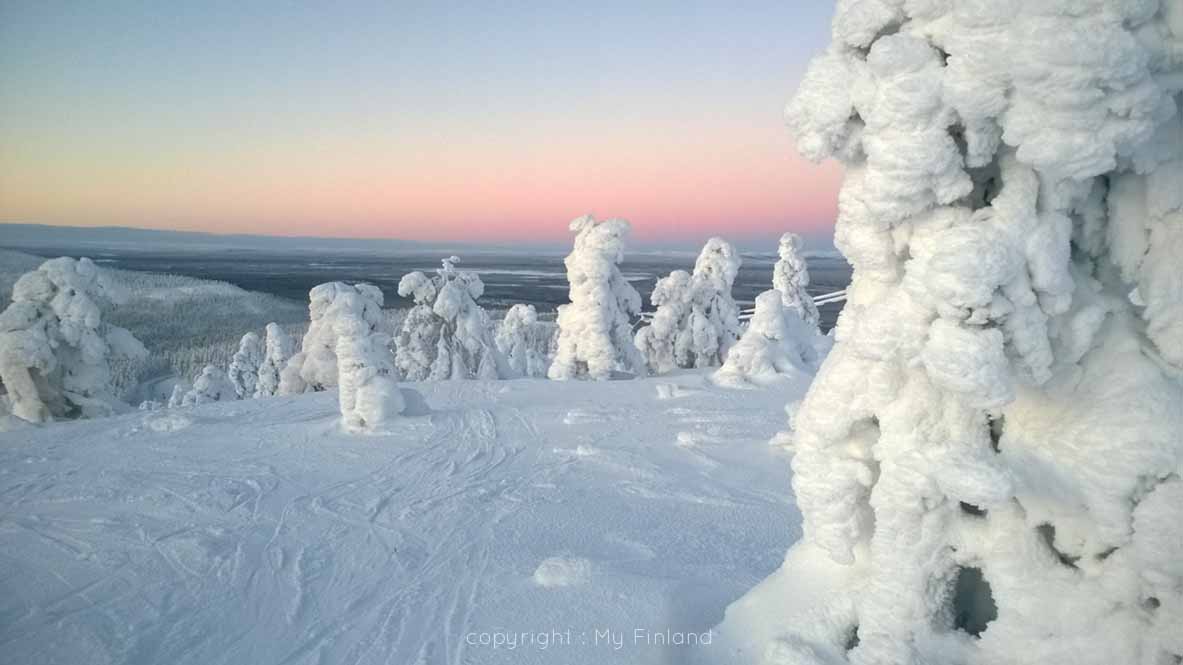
(55, 347)
(696, 321)
(790, 277)
(446, 335)
(988, 463)
(595, 329)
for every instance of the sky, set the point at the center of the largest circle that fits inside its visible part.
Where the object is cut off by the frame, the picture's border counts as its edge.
(483, 121)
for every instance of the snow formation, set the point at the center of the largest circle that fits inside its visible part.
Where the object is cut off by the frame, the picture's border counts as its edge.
(696, 321)
(595, 329)
(988, 463)
(212, 385)
(278, 348)
(790, 277)
(775, 343)
(314, 368)
(368, 395)
(55, 346)
(519, 338)
(446, 335)
(244, 366)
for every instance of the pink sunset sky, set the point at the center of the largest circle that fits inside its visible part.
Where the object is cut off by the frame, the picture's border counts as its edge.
(420, 123)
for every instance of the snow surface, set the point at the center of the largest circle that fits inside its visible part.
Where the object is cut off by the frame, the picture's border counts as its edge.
(259, 532)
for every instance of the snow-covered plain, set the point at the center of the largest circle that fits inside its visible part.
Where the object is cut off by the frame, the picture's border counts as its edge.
(519, 522)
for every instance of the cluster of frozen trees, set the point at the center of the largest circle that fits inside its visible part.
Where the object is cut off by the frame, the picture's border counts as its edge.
(55, 346)
(990, 462)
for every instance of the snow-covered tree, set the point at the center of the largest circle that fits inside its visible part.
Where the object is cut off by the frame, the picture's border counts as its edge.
(55, 346)
(990, 462)
(314, 368)
(790, 276)
(244, 366)
(177, 398)
(368, 395)
(696, 321)
(521, 342)
(595, 329)
(446, 335)
(278, 348)
(212, 385)
(775, 343)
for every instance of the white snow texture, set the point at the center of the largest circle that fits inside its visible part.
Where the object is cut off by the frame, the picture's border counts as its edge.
(988, 463)
(790, 277)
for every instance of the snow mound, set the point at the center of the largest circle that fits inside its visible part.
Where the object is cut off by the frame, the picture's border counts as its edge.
(563, 572)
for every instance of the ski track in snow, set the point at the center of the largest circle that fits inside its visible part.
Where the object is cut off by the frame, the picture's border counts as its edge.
(256, 532)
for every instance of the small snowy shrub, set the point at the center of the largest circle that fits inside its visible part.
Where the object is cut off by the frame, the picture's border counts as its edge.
(595, 329)
(446, 335)
(988, 463)
(775, 343)
(368, 396)
(696, 321)
(519, 338)
(55, 347)
(244, 366)
(212, 385)
(278, 348)
(177, 398)
(790, 277)
(314, 368)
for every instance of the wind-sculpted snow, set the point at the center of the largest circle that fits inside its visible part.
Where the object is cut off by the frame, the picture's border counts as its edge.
(257, 532)
(1002, 412)
(696, 321)
(595, 329)
(790, 277)
(314, 367)
(55, 346)
(367, 393)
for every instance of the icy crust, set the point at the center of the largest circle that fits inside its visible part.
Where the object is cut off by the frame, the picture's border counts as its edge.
(55, 347)
(595, 329)
(990, 455)
(790, 277)
(697, 320)
(446, 335)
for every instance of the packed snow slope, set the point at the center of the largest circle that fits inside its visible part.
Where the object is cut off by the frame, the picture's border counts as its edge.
(258, 532)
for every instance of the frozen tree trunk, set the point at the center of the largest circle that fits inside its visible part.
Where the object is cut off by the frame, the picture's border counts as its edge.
(244, 366)
(55, 347)
(993, 448)
(790, 277)
(595, 329)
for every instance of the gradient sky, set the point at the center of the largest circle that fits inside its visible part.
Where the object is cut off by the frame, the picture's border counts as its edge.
(495, 121)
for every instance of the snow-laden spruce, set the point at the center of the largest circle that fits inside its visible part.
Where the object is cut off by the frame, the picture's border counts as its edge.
(244, 366)
(446, 335)
(522, 341)
(989, 461)
(696, 321)
(776, 343)
(278, 348)
(314, 367)
(595, 328)
(368, 395)
(176, 398)
(212, 385)
(790, 277)
(55, 347)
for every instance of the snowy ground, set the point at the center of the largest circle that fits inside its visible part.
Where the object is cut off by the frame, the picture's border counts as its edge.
(255, 532)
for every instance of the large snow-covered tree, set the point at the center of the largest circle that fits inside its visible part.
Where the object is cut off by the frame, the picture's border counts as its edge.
(696, 321)
(989, 462)
(446, 335)
(522, 341)
(595, 328)
(278, 348)
(55, 346)
(790, 277)
(368, 395)
(314, 367)
(244, 366)
(211, 385)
